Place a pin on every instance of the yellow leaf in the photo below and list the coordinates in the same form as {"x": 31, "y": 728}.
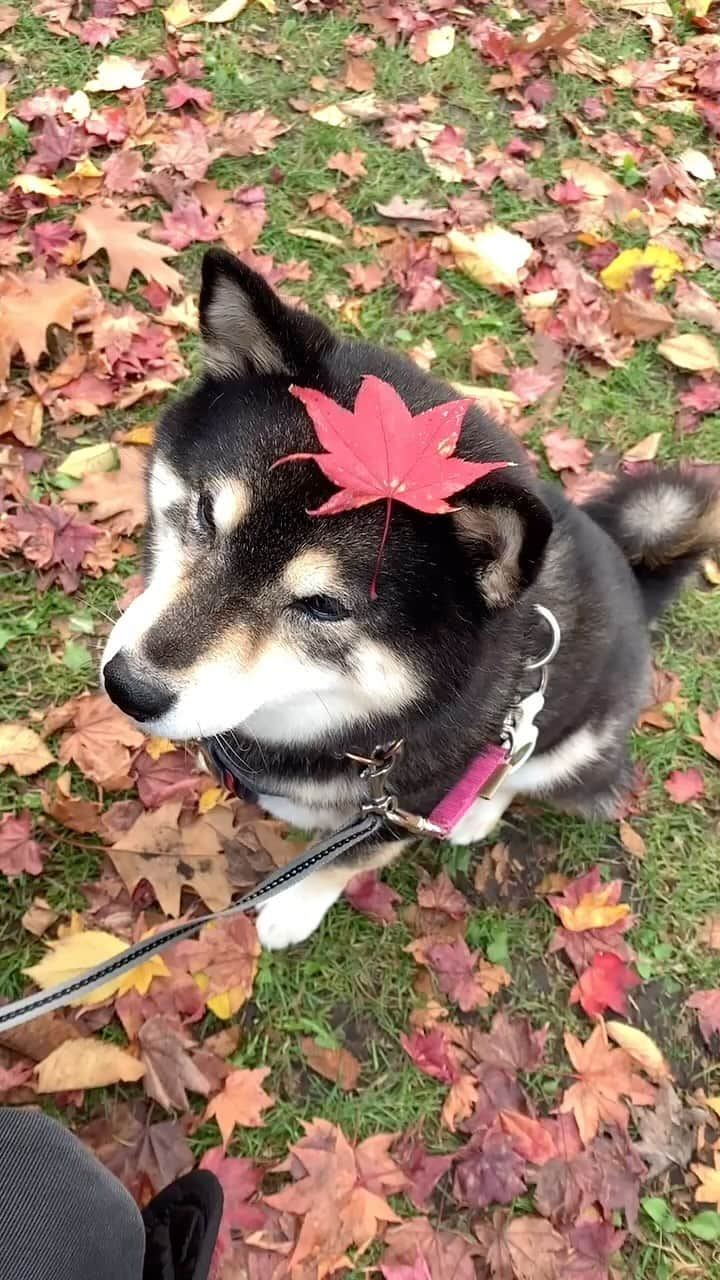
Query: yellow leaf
{"x": 714, "y": 1104}
{"x": 593, "y": 911}
{"x": 3, "y": 102}
{"x": 226, "y": 1003}
{"x": 709, "y": 1190}
{"x": 157, "y": 747}
{"x": 697, "y": 8}
{"x": 86, "y": 169}
{"x": 31, "y": 184}
{"x": 70, "y": 956}
{"x": 226, "y": 12}
{"x": 317, "y": 237}
{"x": 645, "y": 450}
{"x": 180, "y": 14}
{"x": 23, "y": 749}
{"x": 86, "y": 1064}
{"x": 663, "y": 263}
{"x": 492, "y": 257}
{"x": 711, "y": 570}
{"x": 440, "y": 42}
{"x": 143, "y": 433}
{"x": 331, "y": 115}
{"x": 210, "y": 799}
{"x": 641, "y": 1049}
{"x": 690, "y": 351}
{"x": 93, "y": 458}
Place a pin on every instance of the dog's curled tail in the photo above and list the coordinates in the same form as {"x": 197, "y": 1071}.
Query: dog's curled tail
{"x": 663, "y": 519}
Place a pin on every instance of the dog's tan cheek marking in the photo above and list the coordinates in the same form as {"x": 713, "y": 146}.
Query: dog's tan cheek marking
{"x": 231, "y": 505}
{"x": 312, "y": 573}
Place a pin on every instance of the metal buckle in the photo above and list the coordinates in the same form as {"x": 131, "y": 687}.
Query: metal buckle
{"x": 380, "y": 801}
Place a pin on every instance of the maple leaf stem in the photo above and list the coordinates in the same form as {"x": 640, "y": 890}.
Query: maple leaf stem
{"x": 381, "y": 549}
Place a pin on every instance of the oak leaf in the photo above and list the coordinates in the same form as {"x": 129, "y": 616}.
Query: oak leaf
{"x": 106, "y": 227}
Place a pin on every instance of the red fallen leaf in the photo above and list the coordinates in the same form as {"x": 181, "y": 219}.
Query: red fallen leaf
{"x": 441, "y": 895}
{"x": 370, "y": 895}
{"x": 603, "y": 985}
{"x": 418, "y": 1270}
{"x": 512, "y": 1045}
{"x": 530, "y": 1139}
{"x": 99, "y": 31}
{"x": 19, "y": 853}
{"x": 531, "y": 384}
{"x": 51, "y": 538}
{"x": 568, "y": 193}
{"x": 56, "y": 145}
{"x": 422, "y": 1170}
{"x": 349, "y": 163}
{"x": 187, "y": 224}
{"x": 580, "y": 947}
{"x": 49, "y": 239}
{"x": 448, "y": 1256}
{"x": 239, "y": 1179}
{"x": 379, "y": 451}
{"x": 709, "y": 738}
{"x": 703, "y": 397}
{"x": 683, "y": 785}
{"x": 338, "y": 1065}
{"x": 707, "y": 1006}
{"x": 489, "y": 1171}
{"x": 171, "y": 775}
{"x": 179, "y": 94}
{"x": 432, "y": 1054}
{"x": 564, "y": 451}
{"x": 145, "y": 1157}
{"x": 593, "y": 1244}
{"x": 454, "y": 965}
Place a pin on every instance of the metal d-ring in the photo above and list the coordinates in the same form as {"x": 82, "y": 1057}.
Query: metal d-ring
{"x": 554, "y": 626}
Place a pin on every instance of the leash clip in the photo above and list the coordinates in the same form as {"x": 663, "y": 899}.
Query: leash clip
{"x": 380, "y": 801}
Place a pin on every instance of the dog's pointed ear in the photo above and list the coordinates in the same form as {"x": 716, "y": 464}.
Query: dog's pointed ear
{"x": 247, "y": 328}
{"x": 504, "y": 529}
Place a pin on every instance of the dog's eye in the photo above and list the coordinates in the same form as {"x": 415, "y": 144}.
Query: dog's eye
{"x": 205, "y": 513}
{"x": 322, "y": 608}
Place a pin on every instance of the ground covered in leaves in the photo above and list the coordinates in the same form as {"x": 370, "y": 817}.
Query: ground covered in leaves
{"x": 505, "y": 1060}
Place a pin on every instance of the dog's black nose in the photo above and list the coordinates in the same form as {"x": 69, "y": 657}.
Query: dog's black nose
{"x": 135, "y": 693}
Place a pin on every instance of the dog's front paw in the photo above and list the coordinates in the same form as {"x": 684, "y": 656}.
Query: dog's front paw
{"x": 294, "y": 914}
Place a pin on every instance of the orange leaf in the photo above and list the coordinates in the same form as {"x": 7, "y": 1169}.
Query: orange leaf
{"x": 106, "y": 227}
{"x": 241, "y": 1102}
{"x": 593, "y": 911}
{"x": 338, "y": 1065}
{"x": 709, "y": 1190}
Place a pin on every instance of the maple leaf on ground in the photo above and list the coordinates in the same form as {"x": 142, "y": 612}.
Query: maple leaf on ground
{"x": 170, "y": 1068}
{"x": 530, "y": 1138}
{"x": 583, "y": 900}
{"x": 23, "y": 749}
{"x": 668, "y": 1132}
{"x": 604, "y": 1075}
{"x": 117, "y": 497}
{"x": 489, "y": 1171}
{"x": 432, "y": 1054}
{"x": 71, "y": 955}
{"x": 524, "y": 1247}
{"x": 145, "y": 1157}
{"x": 349, "y": 163}
{"x": 379, "y": 451}
{"x": 172, "y": 775}
{"x": 447, "y": 1255}
{"x": 370, "y": 895}
{"x": 30, "y": 306}
{"x": 223, "y": 960}
{"x": 707, "y": 1006}
{"x": 593, "y": 1244}
{"x": 171, "y": 855}
{"x": 422, "y": 1170}
{"x": 604, "y": 985}
{"x": 709, "y": 738}
{"x": 683, "y": 785}
{"x": 709, "y": 1190}
{"x": 106, "y": 227}
{"x": 240, "y": 1179}
{"x": 455, "y": 967}
{"x": 441, "y": 895}
{"x": 51, "y": 538}
{"x": 565, "y": 452}
{"x": 418, "y": 1271}
{"x": 19, "y": 853}
{"x": 511, "y": 1045}
{"x": 338, "y": 1065}
{"x": 101, "y": 740}
{"x": 241, "y": 1101}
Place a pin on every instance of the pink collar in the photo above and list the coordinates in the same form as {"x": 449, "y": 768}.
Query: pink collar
{"x": 482, "y": 776}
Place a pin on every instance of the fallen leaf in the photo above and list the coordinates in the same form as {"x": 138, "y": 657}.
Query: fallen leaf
{"x": 86, "y": 1064}
{"x": 565, "y": 452}
{"x": 604, "y": 1075}
{"x": 117, "y": 72}
{"x": 645, "y": 450}
{"x": 668, "y": 1132}
{"x": 106, "y": 227}
{"x": 690, "y": 351}
{"x": 223, "y": 962}
{"x": 31, "y": 308}
{"x": 595, "y": 910}
{"x": 489, "y": 1171}
{"x": 170, "y": 1069}
{"x": 523, "y": 1247}
{"x": 432, "y": 1054}
{"x": 633, "y": 313}
{"x": 338, "y": 1065}
{"x": 19, "y": 853}
{"x": 116, "y": 496}
{"x": 367, "y": 893}
{"x": 88, "y": 460}
{"x": 226, "y": 12}
{"x": 23, "y": 749}
{"x": 241, "y": 1101}
{"x": 707, "y": 1006}
{"x": 709, "y": 738}
{"x": 492, "y": 257}
{"x": 662, "y": 264}
{"x": 631, "y": 840}
{"x": 683, "y": 785}
{"x": 240, "y": 1179}
{"x": 39, "y": 917}
{"x": 455, "y": 967}
{"x": 709, "y": 932}
{"x": 603, "y": 986}
{"x": 638, "y": 1045}
{"x": 70, "y": 956}
{"x": 169, "y": 856}
{"x": 101, "y": 740}
{"x": 709, "y": 1190}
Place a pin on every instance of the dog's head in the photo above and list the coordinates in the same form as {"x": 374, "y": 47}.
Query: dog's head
{"x": 257, "y": 615}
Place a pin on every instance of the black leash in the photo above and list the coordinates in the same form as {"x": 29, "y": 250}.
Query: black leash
{"x": 363, "y": 827}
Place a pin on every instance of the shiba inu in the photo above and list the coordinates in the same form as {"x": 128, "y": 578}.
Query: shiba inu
{"x": 257, "y": 630}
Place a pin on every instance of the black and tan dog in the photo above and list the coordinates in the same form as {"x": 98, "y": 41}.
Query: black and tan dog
{"x": 257, "y": 627}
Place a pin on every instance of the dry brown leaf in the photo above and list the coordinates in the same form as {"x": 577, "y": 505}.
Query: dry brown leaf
{"x": 117, "y": 496}
{"x": 101, "y": 741}
{"x": 170, "y": 857}
{"x": 23, "y": 749}
{"x": 86, "y": 1064}
{"x": 28, "y": 310}
{"x": 709, "y": 932}
{"x": 39, "y": 917}
{"x": 338, "y": 1065}
{"x": 106, "y": 227}
{"x": 631, "y": 840}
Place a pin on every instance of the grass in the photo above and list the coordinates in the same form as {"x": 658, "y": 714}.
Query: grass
{"x": 352, "y": 983}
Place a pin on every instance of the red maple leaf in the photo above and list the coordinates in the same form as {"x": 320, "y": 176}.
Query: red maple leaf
{"x": 379, "y": 451}
{"x": 603, "y": 985}
{"x": 373, "y": 897}
{"x": 683, "y": 785}
{"x": 432, "y": 1054}
{"x": 18, "y": 851}
{"x": 239, "y": 1179}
